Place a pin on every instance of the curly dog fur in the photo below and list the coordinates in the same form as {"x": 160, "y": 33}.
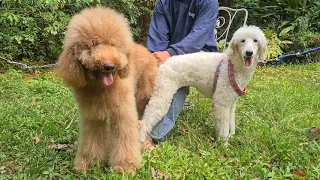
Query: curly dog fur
{"x": 112, "y": 79}
{"x": 247, "y": 45}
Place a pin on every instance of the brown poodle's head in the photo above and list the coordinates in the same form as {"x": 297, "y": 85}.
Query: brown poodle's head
{"x": 96, "y": 48}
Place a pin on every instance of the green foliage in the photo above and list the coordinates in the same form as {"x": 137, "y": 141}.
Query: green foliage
{"x": 270, "y": 140}
{"x": 295, "y": 15}
{"x": 292, "y": 20}
{"x": 34, "y": 29}
{"x": 275, "y": 45}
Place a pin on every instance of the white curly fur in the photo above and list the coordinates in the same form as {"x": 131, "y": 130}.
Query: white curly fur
{"x": 197, "y": 70}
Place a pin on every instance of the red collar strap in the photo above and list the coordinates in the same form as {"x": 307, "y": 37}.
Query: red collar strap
{"x": 216, "y": 75}
{"x": 232, "y": 79}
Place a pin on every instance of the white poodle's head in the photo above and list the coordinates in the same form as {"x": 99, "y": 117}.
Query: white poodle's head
{"x": 249, "y": 44}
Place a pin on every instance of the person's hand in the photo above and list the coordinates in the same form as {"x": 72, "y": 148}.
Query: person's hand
{"x": 161, "y": 56}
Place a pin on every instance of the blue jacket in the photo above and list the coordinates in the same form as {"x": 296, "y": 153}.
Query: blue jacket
{"x": 183, "y": 26}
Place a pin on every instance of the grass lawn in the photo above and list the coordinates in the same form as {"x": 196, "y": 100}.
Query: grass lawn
{"x": 270, "y": 140}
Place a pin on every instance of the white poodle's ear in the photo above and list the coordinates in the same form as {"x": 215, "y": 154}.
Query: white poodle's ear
{"x": 231, "y": 47}
{"x": 263, "y": 49}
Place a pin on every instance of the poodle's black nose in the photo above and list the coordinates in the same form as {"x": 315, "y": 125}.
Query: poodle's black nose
{"x": 249, "y": 53}
{"x": 109, "y": 67}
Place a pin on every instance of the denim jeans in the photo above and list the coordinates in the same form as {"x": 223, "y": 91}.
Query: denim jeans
{"x": 160, "y": 131}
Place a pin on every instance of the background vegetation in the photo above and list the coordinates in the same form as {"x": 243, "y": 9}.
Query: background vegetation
{"x": 33, "y": 30}
{"x": 39, "y": 123}
{"x": 38, "y": 113}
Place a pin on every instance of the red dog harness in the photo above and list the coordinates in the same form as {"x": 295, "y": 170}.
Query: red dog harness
{"x": 232, "y": 78}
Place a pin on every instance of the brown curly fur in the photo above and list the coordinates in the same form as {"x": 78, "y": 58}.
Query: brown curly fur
{"x": 96, "y": 37}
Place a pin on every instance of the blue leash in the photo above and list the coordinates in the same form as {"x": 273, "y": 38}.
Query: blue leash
{"x": 282, "y": 57}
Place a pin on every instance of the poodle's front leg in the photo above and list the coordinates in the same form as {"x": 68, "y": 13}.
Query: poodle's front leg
{"x": 92, "y": 143}
{"x": 232, "y": 119}
{"x": 221, "y": 115}
{"x": 124, "y": 146}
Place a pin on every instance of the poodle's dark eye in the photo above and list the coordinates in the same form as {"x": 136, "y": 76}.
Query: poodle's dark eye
{"x": 255, "y": 40}
{"x": 243, "y": 41}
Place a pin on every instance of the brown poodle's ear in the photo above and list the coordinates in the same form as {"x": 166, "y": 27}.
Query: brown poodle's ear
{"x": 70, "y": 69}
{"x": 124, "y": 72}
{"x": 263, "y": 49}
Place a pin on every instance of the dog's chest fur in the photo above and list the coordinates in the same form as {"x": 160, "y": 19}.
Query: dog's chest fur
{"x": 99, "y": 101}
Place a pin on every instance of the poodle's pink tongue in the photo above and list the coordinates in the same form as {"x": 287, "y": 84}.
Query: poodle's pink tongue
{"x": 248, "y": 61}
{"x": 107, "y": 79}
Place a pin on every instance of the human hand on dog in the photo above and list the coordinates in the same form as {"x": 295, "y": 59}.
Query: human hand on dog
{"x": 161, "y": 56}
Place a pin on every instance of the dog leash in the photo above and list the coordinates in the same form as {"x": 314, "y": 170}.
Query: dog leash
{"x": 280, "y": 58}
{"x": 232, "y": 78}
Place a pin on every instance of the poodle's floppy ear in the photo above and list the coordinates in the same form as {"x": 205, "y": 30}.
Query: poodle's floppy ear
{"x": 231, "y": 47}
{"x": 70, "y": 69}
{"x": 124, "y": 71}
{"x": 263, "y": 49}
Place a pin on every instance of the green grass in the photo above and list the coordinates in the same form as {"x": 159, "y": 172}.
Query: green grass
{"x": 270, "y": 140}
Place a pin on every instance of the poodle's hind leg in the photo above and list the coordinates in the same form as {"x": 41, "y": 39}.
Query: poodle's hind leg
{"x": 157, "y": 107}
{"x": 222, "y": 117}
{"x": 92, "y": 143}
{"x": 232, "y": 122}
{"x": 124, "y": 143}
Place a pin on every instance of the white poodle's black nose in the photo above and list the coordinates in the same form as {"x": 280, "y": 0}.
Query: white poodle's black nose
{"x": 249, "y": 53}
{"x": 109, "y": 67}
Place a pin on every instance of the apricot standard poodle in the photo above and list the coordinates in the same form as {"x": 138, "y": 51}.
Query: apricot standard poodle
{"x": 112, "y": 79}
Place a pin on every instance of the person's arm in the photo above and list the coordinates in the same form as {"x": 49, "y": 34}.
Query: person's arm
{"x": 158, "y": 36}
{"x": 203, "y": 26}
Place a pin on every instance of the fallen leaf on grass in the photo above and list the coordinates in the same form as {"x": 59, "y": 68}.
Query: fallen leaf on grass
{"x": 59, "y": 122}
{"x": 203, "y": 152}
{"x": 2, "y": 169}
{"x": 315, "y": 132}
{"x": 58, "y": 146}
{"x": 36, "y": 139}
{"x": 256, "y": 179}
{"x": 266, "y": 165}
{"x": 5, "y": 170}
{"x": 299, "y": 173}
{"x": 157, "y": 174}
{"x": 67, "y": 171}
{"x": 223, "y": 156}
{"x": 29, "y": 77}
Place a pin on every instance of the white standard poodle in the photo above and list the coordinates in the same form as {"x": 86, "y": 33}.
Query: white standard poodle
{"x": 220, "y": 76}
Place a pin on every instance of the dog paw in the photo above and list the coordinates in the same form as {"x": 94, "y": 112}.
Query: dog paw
{"x": 128, "y": 168}
{"x": 148, "y": 144}
{"x": 81, "y": 164}
{"x": 142, "y": 132}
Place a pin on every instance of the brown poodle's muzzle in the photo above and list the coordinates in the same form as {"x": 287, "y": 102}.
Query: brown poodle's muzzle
{"x": 109, "y": 67}
{"x": 106, "y": 74}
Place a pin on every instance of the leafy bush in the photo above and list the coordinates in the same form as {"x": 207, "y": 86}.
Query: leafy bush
{"x": 34, "y": 29}
{"x": 283, "y": 15}
{"x": 293, "y": 20}
{"x": 275, "y": 45}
